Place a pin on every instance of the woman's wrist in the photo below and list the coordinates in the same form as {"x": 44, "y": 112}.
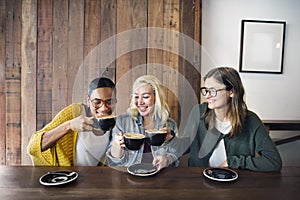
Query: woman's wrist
{"x": 116, "y": 151}
{"x": 69, "y": 125}
{"x": 169, "y": 160}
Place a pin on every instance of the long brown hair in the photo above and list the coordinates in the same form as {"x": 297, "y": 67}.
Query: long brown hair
{"x": 237, "y": 107}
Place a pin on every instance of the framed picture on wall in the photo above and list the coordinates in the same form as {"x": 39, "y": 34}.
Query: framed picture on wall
{"x": 262, "y": 46}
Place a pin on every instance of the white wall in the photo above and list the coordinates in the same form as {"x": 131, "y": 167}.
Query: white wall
{"x": 271, "y": 96}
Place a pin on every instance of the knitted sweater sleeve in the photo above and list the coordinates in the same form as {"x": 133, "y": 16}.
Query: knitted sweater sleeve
{"x": 50, "y": 156}
{"x": 263, "y": 155}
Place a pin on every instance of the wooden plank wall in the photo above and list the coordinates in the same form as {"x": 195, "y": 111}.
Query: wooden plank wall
{"x": 2, "y": 84}
{"x": 51, "y": 48}
{"x": 28, "y": 78}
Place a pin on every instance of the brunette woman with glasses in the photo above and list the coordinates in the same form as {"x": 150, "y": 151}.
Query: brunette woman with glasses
{"x": 223, "y": 132}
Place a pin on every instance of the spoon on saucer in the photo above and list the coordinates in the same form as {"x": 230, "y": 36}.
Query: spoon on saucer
{"x": 62, "y": 173}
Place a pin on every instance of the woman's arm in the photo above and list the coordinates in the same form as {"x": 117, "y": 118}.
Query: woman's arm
{"x": 79, "y": 123}
{"x": 118, "y": 145}
{"x": 265, "y": 156}
{"x": 34, "y": 147}
{"x": 116, "y": 154}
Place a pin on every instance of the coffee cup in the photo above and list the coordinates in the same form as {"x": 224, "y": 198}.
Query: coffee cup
{"x": 133, "y": 141}
{"x": 107, "y": 122}
{"x": 155, "y": 137}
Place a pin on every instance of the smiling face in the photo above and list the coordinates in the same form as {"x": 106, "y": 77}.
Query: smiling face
{"x": 221, "y": 100}
{"x": 103, "y": 102}
{"x": 144, "y": 99}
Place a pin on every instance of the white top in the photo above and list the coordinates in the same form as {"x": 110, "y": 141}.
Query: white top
{"x": 219, "y": 154}
{"x": 90, "y": 148}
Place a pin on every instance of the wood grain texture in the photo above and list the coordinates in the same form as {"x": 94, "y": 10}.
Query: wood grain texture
{"x": 75, "y": 48}
{"x": 169, "y": 183}
{"x": 52, "y": 49}
{"x": 28, "y": 77}
{"x": 44, "y": 62}
{"x": 2, "y": 84}
{"x": 91, "y": 41}
{"x": 108, "y": 32}
{"x": 155, "y": 38}
{"x": 60, "y": 56}
{"x": 170, "y": 55}
{"x": 131, "y": 61}
{"x": 189, "y": 65}
{"x": 13, "y": 82}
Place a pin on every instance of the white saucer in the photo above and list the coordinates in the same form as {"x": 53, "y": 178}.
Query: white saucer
{"x": 142, "y": 169}
{"x": 220, "y": 174}
{"x": 58, "y": 178}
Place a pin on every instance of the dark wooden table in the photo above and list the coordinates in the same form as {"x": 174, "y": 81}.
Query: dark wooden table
{"x": 22, "y": 182}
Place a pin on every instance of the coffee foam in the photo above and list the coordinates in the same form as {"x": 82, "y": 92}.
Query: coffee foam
{"x": 156, "y": 131}
{"x": 134, "y": 135}
{"x": 107, "y": 117}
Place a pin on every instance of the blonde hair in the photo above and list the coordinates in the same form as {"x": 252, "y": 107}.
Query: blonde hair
{"x": 161, "y": 108}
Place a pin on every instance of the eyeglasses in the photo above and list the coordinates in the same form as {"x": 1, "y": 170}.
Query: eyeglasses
{"x": 98, "y": 103}
{"x": 212, "y": 91}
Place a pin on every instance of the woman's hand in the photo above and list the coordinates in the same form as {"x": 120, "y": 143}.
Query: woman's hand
{"x": 161, "y": 162}
{"x": 224, "y": 164}
{"x": 117, "y": 149}
{"x": 169, "y": 134}
{"x": 119, "y": 140}
{"x": 82, "y": 123}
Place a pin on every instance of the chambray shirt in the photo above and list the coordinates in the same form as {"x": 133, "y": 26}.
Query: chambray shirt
{"x": 125, "y": 123}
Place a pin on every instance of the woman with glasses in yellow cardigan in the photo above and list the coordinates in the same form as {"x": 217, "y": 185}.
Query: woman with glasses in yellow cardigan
{"x": 73, "y": 138}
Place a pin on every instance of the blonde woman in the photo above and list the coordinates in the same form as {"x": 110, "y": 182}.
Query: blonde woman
{"x": 148, "y": 110}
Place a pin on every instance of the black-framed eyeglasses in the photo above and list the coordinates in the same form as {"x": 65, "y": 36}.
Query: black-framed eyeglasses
{"x": 212, "y": 91}
{"x": 98, "y": 103}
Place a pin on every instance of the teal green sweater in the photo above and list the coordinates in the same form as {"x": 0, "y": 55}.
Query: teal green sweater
{"x": 251, "y": 149}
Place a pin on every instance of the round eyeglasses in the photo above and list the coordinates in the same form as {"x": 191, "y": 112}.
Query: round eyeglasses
{"x": 98, "y": 103}
{"x": 212, "y": 91}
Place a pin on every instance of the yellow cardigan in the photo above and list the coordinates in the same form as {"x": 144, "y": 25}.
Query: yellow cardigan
{"x": 63, "y": 152}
